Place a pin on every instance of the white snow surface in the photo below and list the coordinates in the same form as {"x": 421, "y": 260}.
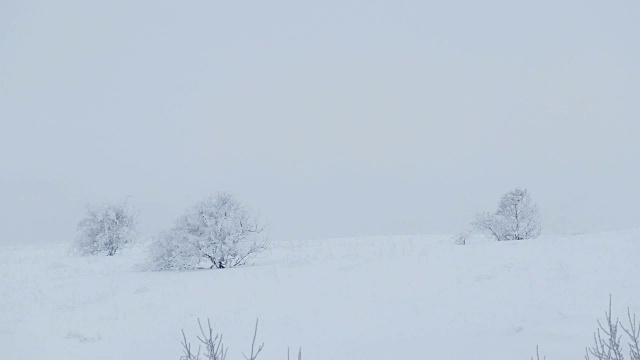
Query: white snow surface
{"x": 402, "y": 297}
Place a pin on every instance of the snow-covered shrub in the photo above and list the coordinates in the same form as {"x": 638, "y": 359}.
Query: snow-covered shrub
{"x": 219, "y": 230}
{"x": 105, "y": 229}
{"x": 517, "y": 218}
{"x": 171, "y": 251}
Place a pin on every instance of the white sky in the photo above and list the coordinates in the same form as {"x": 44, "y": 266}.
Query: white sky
{"x": 332, "y": 118}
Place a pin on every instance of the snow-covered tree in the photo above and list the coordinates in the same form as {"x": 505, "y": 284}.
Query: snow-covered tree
{"x": 218, "y": 229}
{"x": 517, "y": 218}
{"x": 105, "y": 229}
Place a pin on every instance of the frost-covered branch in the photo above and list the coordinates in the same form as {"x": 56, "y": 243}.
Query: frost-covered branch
{"x": 633, "y": 332}
{"x": 253, "y": 343}
{"x": 609, "y": 347}
{"x": 215, "y": 349}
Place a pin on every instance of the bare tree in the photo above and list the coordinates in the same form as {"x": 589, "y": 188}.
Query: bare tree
{"x": 516, "y": 218}
{"x": 105, "y": 229}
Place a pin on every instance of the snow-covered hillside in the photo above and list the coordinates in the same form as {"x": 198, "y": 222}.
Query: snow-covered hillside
{"x": 357, "y": 298}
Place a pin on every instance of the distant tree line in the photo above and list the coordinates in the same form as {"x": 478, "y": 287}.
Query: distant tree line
{"x": 222, "y": 232}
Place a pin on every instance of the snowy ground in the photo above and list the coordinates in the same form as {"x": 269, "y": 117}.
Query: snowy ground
{"x": 414, "y": 297}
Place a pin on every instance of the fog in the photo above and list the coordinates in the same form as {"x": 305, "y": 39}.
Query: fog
{"x": 333, "y": 118}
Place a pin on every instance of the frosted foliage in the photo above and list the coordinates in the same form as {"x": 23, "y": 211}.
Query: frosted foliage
{"x": 105, "y": 229}
{"x": 171, "y": 251}
{"x": 517, "y": 218}
{"x": 219, "y": 230}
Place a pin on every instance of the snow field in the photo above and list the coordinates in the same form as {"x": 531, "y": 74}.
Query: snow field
{"x": 353, "y": 298}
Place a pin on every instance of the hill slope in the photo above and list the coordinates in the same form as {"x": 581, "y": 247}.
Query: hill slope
{"x": 357, "y": 298}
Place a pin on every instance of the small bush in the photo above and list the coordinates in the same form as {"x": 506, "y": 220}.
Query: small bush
{"x": 105, "y": 229}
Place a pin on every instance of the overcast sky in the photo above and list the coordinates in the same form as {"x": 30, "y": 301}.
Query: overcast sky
{"x": 332, "y": 118}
